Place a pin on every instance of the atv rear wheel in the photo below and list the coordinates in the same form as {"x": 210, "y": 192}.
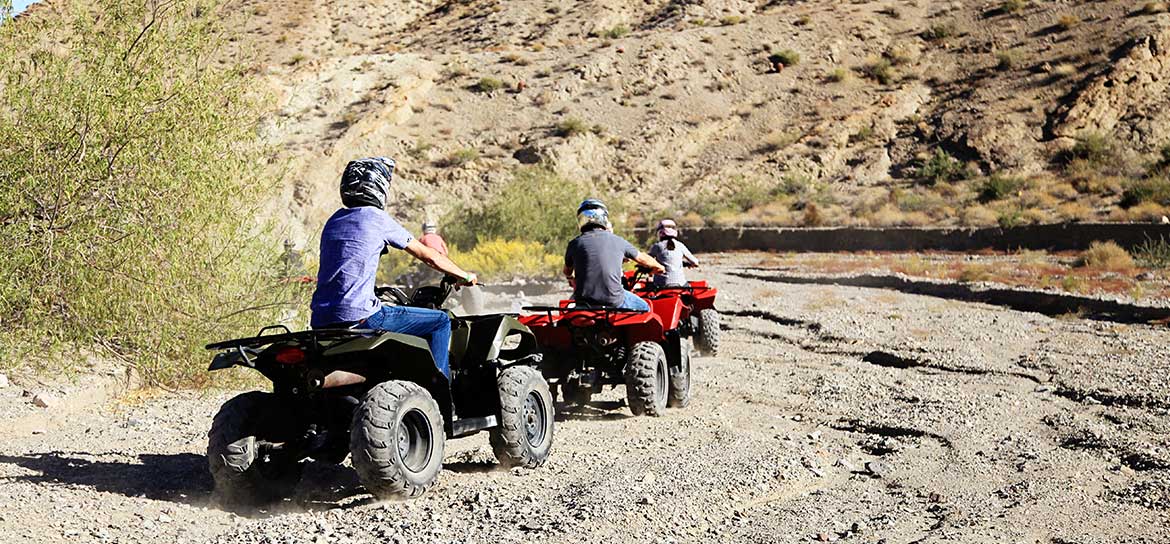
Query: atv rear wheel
{"x": 647, "y": 377}
{"x": 243, "y": 474}
{"x": 707, "y": 340}
{"x": 396, "y": 440}
{"x": 525, "y": 434}
{"x": 680, "y": 378}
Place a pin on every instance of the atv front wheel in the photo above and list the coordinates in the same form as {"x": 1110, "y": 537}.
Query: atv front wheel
{"x": 707, "y": 340}
{"x": 680, "y": 378}
{"x": 396, "y": 440}
{"x": 647, "y": 379}
{"x": 525, "y": 434}
{"x": 243, "y": 474}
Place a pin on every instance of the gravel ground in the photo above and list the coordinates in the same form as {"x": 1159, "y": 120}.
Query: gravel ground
{"x": 833, "y": 414}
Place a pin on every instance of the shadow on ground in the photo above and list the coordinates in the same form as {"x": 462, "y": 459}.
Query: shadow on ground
{"x": 179, "y": 477}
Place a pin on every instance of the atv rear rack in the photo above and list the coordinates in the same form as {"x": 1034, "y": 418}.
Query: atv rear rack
{"x": 561, "y": 309}
{"x": 312, "y": 335}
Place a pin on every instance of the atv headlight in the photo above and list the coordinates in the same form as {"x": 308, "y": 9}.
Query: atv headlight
{"x": 512, "y": 341}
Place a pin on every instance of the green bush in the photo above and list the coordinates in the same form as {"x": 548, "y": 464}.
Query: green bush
{"x": 879, "y": 70}
{"x": 536, "y": 205}
{"x": 939, "y": 32}
{"x": 570, "y": 127}
{"x": 130, "y": 187}
{"x": 1146, "y": 190}
{"x": 1153, "y": 253}
{"x": 615, "y": 32}
{"x": 487, "y": 85}
{"x": 999, "y": 186}
{"x": 459, "y": 158}
{"x": 784, "y": 57}
{"x": 942, "y": 168}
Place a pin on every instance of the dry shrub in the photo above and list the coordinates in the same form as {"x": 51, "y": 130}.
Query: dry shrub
{"x": 1106, "y": 256}
{"x": 1074, "y": 211}
{"x": 1068, "y": 22}
{"x": 974, "y": 273}
{"x": 1146, "y": 211}
{"x": 1063, "y": 191}
{"x": 979, "y": 216}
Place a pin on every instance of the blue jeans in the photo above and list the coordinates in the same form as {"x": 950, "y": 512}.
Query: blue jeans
{"x": 433, "y": 325}
{"x": 634, "y": 302}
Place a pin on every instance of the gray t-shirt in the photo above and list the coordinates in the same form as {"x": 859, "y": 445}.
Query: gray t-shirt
{"x": 596, "y": 259}
{"x": 672, "y": 261}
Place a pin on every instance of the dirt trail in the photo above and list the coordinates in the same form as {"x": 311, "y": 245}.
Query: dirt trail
{"x": 834, "y": 413}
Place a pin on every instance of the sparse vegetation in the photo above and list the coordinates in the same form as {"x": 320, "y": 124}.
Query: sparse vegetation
{"x": 1153, "y": 253}
{"x": 999, "y": 186}
{"x": 1007, "y": 59}
{"x": 1013, "y": 6}
{"x": 837, "y": 75}
{"x": 460, "y": 157}
{"x": 879, "y": 70}
{"x": 1068, "y": 22}
{"x": 570, "y": 127}
{"x": 1141, "y": 191}
{"x": 731, "y": 20}
{"x": 939, "y": 32}
{"x": 941, "y": 167}
{"x": 777, "y": 140}
{"x": 488, "y": 85}
{"x": 615, "y": 32}
{"x": 784, "y": 57}
{"x": 1106, "y": 256}
{"x": 1154, "y": 8}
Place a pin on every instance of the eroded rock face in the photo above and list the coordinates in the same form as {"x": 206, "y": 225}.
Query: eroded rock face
{"x": 1130, "y": 100}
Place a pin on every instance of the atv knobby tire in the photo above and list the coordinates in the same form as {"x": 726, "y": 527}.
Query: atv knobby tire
{"x": 396, "y": 440}
{"x": 647, "y": 379}
{"x": 680, "y": 378}
{"x": 525, "y": 434}
{"x": 707, "y": 340}
{"x": 242, "y": 476}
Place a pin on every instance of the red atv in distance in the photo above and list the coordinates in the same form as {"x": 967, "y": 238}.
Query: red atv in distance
{"x": 699, "y": 320}
{"x": 586, "y": 348}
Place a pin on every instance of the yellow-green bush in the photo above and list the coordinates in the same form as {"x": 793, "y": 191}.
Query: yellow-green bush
{"x": 500, "y": 259}
{"x": 130, "y": 183}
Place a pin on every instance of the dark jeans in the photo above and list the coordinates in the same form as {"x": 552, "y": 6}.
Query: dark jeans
{"x": 432, "y": 325}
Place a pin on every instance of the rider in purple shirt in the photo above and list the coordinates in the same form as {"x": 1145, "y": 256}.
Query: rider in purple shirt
{"x": 351, "y": 243}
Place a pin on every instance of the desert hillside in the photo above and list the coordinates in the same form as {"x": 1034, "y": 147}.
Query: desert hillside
{"x": 816, "y": 112}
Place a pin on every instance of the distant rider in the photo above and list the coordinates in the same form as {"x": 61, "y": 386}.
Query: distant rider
{"x": 431, "y": 238}
{"x": 593, "y": 261}
{"x": 351, "y": 243}
{"x": 673, "y": 255}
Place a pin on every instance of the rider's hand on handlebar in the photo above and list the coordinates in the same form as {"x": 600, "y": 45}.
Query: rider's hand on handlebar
{"x": 469, "y": 280}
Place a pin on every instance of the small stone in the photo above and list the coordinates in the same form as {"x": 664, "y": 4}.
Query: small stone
{"x": 814, "y": 436}
{"x": 797, "y": 417}
{"x": 648, "y": 478}
{"x": 878, "y": 469}
{"x": 1042, "y": 389}
{"x": 845, "y": 464}
{"x": 3, "y": 380}
{"x": 817, "y": 472}
{"x": 857, "y": 527}
{"x": 647, "y": 500}
{"x": 163, "y": 518}
{"x": 823, "y": 537}
{"x": 44, "y": 400}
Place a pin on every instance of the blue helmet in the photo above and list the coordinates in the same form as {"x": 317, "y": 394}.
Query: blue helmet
{"x": 366, "y": 182}
{"x": 592, "y": 212}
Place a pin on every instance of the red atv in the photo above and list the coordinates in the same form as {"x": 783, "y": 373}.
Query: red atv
{"x": 588, "y": 348}
{"x": 699, "y": 320}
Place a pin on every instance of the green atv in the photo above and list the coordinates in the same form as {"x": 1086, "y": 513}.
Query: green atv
{"x": 378, "y": 397}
